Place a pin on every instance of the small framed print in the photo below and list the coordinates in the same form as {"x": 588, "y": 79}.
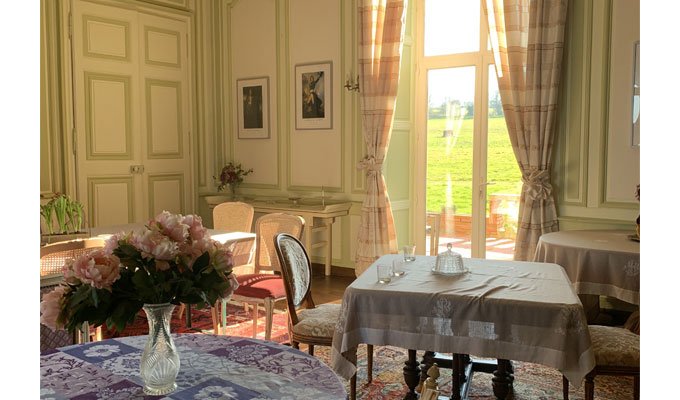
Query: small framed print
{"x": 313, "y": 96}
{"x": 253, "y": 108}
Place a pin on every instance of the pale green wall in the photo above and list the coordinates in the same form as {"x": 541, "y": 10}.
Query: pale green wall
{"x": 584, "y": 185}
{"x": 596, "y": 170}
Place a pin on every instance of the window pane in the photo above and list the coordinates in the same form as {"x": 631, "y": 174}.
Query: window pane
{"x": 451, "y": 26}
{"x": 506, "y": 181}
{"x": 451, "y": 93}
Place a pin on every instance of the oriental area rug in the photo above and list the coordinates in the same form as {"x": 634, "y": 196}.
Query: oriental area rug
{"x": 532, "y": 381}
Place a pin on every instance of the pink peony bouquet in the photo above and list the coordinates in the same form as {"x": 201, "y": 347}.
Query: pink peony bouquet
{"x": 171, "y": 260}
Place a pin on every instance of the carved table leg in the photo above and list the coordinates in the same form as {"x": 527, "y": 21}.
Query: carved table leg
{"x": 502, "y": 379}
{"x": 457, "y": 376}
{"x": 411, "y": 376}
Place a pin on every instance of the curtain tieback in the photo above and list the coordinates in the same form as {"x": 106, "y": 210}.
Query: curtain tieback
{"x": 371, "y": 166}
{"x": 537, "y": 184}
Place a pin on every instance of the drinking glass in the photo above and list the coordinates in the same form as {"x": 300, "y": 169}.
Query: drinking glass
{"x": 409, "y": 253}
{"x": 398, "y": 267}
{"x": 384, "y": 273}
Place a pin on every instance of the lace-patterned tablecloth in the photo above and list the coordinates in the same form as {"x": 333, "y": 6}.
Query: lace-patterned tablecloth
{"x": 501, "y": 309}
{"x": 223, "y": 367}
{"x": 598, "y": 262}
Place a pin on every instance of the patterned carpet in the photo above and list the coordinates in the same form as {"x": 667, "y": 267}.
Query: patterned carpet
{"x": 532, "y": 381}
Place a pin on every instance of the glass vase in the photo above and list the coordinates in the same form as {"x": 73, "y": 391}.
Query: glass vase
{"x": 233, "y": 188}
{"x": 160, "y": 361}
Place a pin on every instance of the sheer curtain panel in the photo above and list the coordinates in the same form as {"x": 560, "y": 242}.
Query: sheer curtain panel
{"x": 527, "y": 38}
{"x": 381, "y": 24}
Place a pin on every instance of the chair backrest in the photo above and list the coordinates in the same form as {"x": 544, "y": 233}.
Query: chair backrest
{"x": 297, "y": 273}
{"x": 233, "y": 216}
{"x": 52, "y": 256}
{"x": 268, "y": 226}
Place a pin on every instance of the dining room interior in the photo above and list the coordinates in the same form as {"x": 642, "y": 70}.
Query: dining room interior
{"x": 508, "y": 136}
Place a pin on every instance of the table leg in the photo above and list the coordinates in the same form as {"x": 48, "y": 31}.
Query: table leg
{"x": 502, "y": 379}
{"x": 425, "y": 364}
{"x": 411, "y": 375}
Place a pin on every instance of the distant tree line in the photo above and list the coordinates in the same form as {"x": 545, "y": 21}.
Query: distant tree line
{"x": 454, "y": 109}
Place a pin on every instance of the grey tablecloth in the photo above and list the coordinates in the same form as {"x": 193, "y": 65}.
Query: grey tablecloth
{"x": 598, "y": 262}
{"x": 502, "y": 309}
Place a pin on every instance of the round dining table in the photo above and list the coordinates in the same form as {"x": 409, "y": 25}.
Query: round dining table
{"x": 211, "y": 367}
{"x": 598, "y": 263}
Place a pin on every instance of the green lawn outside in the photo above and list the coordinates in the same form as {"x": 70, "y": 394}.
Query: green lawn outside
{"x": 450, "y": 158}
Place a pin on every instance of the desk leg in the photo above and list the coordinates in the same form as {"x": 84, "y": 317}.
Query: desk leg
{"x": 502, "y": 379}
{"x": 309, "y": 224}
{"x": 329, "y": 245}
{"x": 411, "y": 375}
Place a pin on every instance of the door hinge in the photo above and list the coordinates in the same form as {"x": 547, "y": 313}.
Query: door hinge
{"x": 70, "y": 25}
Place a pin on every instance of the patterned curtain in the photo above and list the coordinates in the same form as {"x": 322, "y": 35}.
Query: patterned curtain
{"x": 381, "y": 23}
{"x": 527, "y": 37}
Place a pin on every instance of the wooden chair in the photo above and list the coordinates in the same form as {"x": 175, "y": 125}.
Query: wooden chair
{"x": 236, "y": 216}
{"x": 308, "y": 323}
{"x": 432, "y": 228}
{"x": 617, "y": 352}
{"x": 52, "y": 258}
{"x": 265, "y": 286}
{"x": 231, "y": 216}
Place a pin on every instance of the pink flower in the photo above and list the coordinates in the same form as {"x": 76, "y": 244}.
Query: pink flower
{"x": 196, "y": 229}
{"x": 50, "y": 306}
{"x": 172, "y": 226}
{"x": 221, "y": 258}
{"x": 97, "y": 269}
{"x": 112, "y": 242}
{"x": 67, "y": 270}
{"x": 153, "y": 244}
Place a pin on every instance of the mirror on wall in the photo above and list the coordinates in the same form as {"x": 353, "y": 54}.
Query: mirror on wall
{"x": 636, "y": 95}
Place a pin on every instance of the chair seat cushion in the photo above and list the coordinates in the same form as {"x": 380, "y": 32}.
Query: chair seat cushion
{"x": 318, "y": 322}
{"x": 260, "y": 286}
{"x": 615, "y": 346}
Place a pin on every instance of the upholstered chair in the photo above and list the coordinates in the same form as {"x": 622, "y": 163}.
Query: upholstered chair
{"x": 617, "y": 352}
{"x": 308, "y": 323}
{"x": 265, "y": 286}
{"x": 52, "y": 258}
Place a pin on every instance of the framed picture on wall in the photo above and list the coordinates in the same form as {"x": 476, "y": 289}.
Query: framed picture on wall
{"x": 313, "y": 96}
{"x": 253, "y": 108}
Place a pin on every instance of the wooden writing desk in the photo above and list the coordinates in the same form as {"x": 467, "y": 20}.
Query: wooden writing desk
{"x": 318, "y": 218}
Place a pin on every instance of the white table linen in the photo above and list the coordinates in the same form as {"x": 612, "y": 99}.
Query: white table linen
{"x": 502, "y": 309}
{"x": 598, "y": 262}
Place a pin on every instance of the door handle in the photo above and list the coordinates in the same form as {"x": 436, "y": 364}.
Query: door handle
{"x": 136, "y": 169}
{"x": 481, "y": 187}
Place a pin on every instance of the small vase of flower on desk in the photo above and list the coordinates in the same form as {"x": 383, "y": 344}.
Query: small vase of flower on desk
{"x": 231, "y": 176}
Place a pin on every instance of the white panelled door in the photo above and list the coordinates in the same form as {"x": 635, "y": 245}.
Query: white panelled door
{"x": 132, "y": 113}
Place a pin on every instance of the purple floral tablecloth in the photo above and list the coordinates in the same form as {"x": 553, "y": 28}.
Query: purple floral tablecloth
{"x": 212, "y": 367}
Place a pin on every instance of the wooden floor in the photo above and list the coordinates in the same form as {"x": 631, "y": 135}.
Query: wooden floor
{"x": 329, "y": 289}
